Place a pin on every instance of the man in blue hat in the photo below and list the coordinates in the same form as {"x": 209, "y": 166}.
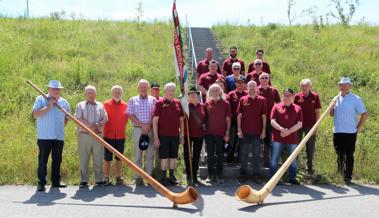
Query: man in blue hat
{"x": 50, "y": 133}
{"x": 345, "y": 111}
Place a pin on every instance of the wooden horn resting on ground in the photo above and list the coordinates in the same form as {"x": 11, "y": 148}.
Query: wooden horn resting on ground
{"x": 249, "y": 195}
{"x": 188, "y": 196}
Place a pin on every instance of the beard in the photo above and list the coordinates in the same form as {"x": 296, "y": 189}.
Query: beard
{"x": 233, "y": 55}
{"x": 117, "y": 99}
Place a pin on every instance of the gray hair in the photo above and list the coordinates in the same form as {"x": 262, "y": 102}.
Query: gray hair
{"x": 89, "y": 87}
{"x": 143, "y": 81}
{"x": 116, "y": 87}
{"x": 251, "y": 82}
{"x": 218, "y": 87}
{"x": 258, "y": 60}
{"x": 264, "y": 74}
{"x": 236, "y": 64}
{"x": 306, "y": 81}
{"x": 169, "y": 85}
{"x": 209, "y": 49}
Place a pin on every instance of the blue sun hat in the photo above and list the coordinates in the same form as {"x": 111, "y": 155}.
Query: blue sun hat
{"x": 55, "y": 84}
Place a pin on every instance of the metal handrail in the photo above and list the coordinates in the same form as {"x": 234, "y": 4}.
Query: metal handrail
{"x": 193, "y": 55}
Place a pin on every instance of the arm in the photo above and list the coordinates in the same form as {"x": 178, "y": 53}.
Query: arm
{"x": 264, "y": 123}
{"x": 317, "y": 114}
{"x": 239, "y": 118}
{"x": 227, "y": 135}
{"x": 202, "y": 89}
{"x": 276, "y": 125}
{"x": 295, "y": 128}
{"x": 362, "y": 121}
{"x": 44, "y": 110}
{"x": 182, "y": 130}
{"x": 155, "y": 130}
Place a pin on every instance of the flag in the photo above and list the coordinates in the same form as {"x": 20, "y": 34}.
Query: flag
{"x": 181, "y": 69}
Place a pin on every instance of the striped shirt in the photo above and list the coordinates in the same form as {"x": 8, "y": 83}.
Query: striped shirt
{"x": 93, "y": 113}
{"x": 51, "y": 124}
{"x": 142, "y": 108}
{"x": 345, "y": 113}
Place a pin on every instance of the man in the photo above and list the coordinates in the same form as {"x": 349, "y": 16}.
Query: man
{"x": 203, "y": 65}
{"x": 49, "y": 139}
{"x": 346, "y": 109}
{"x": 231, "y": 79}
{"x": 227, "y": 65}
{"x": 92, "y": 114}
{"x": 251, "y": 121}
{"x": 265, "y": 66}
{"x": 114, "y": 132}
{"x": 309, "y": 102}
{"x": 234, "y": 98}
{"x": 286, "y": 120}
{"x": 272, "y": 96}
{"x": 140, "y": 111}
{"x": 254, "y": 75}
{"x": 209, "y": 78}
{"x": 168, "y": 124}
{"x": 217, "y": 131}
{"x": 196, "y": 129}
{"x": 155, "y": 90}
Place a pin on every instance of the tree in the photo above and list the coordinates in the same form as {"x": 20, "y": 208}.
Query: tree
{"x": 344, "y": 10}
{"x": 139, "y": 10}
{"x": 290, "y": 4}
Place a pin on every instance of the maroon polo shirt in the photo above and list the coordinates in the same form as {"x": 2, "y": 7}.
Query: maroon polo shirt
{"x": 203, "y": 67}
{"x": 195, "y": 125}
{"x": 286, "y": 117}
{"x": 207, "y": 80}
{"x": 255, "y": 77}
{"x": 234, "y": 98}
{"x": 169, "y": 113}
{"x": 227, "y": 66}
{"x": 272, "y": 96}
{"x": 309, "y": 104}
{"x": 252, "y": 111}
{"x": 216, "y": 117}
{"x": 265, "y": 67}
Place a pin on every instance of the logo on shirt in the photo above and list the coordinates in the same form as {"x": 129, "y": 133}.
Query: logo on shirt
{"x": 246, "y": 104}
{"x": 165, "y": 105}
{"x": 301, "y": 99}
{"x": 281, "y": 110}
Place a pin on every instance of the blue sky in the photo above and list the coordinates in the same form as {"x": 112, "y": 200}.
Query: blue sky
{"x": 199, "y": 12}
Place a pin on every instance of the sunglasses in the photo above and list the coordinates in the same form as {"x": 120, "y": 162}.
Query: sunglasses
{"x": 236, "y": 68}
{"x": 264, "y": 77}
{"x": 258, "y": 64}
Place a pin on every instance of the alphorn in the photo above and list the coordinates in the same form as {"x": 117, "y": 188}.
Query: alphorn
{"x": 247, "y": 194}
{"x": 186, "y": 197}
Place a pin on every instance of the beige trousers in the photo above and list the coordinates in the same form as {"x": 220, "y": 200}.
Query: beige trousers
{"x": 149, "y": 152}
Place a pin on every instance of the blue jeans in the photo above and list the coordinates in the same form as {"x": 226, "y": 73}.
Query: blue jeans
{"x": 277, "y": 148}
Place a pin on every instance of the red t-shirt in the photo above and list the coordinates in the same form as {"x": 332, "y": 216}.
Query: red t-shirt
{"x": 272, "y": 96}
{"x": 169, "y": 113}
{"x": 265, "y": 67}
{"x": 195, "y": 124}
{"x": 114, "y": 128}
{"x": 286, "y": 117}
{"x": 227, "y": 66}
{"x": 252, "y": 111}
{"x": 207, "y": 80}
{"x": 203, "y": 67}
{"x": 308, "y": 104}
{"x": 216, "y": 117}
{"x": 255, "y": 77}
{"x": 234, "y": 98}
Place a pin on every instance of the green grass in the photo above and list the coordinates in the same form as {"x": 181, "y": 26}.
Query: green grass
{"x": 323, "y": 54}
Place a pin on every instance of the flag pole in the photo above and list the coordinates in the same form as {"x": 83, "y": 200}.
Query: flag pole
{"x": 189, "y": 147}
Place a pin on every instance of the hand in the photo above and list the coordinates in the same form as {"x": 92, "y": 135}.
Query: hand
{"x": 284, "y": 132}
{"x": 240, "y": 134}
{"x": 52, "y": 102}
{"x": 182, "y": 140}
{"x": 263, "y": 134}
{"x": 145, "y": 128}
{"x": 359, "y": 128}
{"x": 226, "y": 137}
{"x": 156, "y": 142}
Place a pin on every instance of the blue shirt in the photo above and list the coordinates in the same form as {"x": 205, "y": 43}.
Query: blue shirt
{"x": 231, "y": 83}
{"x": 345, "y": 113}
{"x": 51, "y": 124}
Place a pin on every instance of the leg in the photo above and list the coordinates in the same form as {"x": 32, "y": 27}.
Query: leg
{"x": 256, "y": 144}
{"x": 310, "y": 148}
{"x": 56, "y": 155}
{"x": 220, "y": 155}
{"x": 293, "y": 166}
{"x": 150, "y": 154}
{"x": 339, "y": 148}
{"x": 137, "y": 152}
{"x": 108, "y": 156}
{"x": 350, "y": 148}
{"x": 98, "y": 156}
{"x": 197, "y": 146}
{"x": 233, "y": 141}
{"x": 276, "y": 154}
{"x": 267, "y": 145}
{"x": 244, "y": 151}
{"x": 186, "y": 153}
{"x": 210, "y": 154}
{"x": 84, "y": 156}
{"x": 44, "y": 147}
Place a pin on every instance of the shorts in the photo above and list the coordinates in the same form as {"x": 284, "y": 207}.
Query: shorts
{"x": 118, "y": 144}
{"x": 169, "y": 146}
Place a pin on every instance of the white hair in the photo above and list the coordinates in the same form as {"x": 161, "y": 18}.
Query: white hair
{"x": 89, "y": 87}
{"x": 306, "y": 81}
{"x": 236, "y": 64}
{"x": 218, "y": 87}
{"x": 141, "y": 81}
{"x": 169, "y": 85}
{"x": 116, "y": 87}
{"x": 264, "y": 74}
{"x": 251, "y": 82}
{"x": 209, "y": 49}
{"x": 258, "y": 60}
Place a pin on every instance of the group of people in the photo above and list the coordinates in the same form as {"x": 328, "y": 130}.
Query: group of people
{"x": 232, "y": 112}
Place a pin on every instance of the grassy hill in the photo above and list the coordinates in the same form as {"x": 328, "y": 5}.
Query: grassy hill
{"x": 104, "y": 53}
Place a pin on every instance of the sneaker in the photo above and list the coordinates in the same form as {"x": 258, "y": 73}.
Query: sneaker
{"x": 41, "y": 187}
{"x": 163, "y": 181}
{"x": 138, "y": 182}
{"x": 101, "y": 183}
{"x": 348, "y": 181}
{"x": 107, "y": 182}
{"x": 83, "y": 185}
{"x": 59, "y": 185}
{"x": 119, "y": 180}
{"x": 208, "y": 179}
{"x": 294, "y": 182}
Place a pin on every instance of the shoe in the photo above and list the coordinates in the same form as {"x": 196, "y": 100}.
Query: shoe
{"x": 348, "y": 181}
{"x": 195, "y": 180}
{"x": 107, "y": 182}
{"x": 59, "y": 185}
{"x": 220, "y": 180}
{"x": 280, "y": 182}
{"x": 83, "y": 185}
{"x": 101, "y": 183}
{"x": 163, "y": 181}
{"x": 138, "y": 182}
{"x": 173, "y": 181}
{"x": 119, "y": 180}
{"x": 242, "y": 179}
{"x": 310, "y": 172}
{"x": 41, "y": 187}
{"x": 208, "y": 179}
{"x": 257, "y": 179}
{"x": 294, "y": 182}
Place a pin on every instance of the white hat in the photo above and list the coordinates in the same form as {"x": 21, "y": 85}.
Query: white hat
{"x": 345, "y": 80}
{"x": 55, "y": 84}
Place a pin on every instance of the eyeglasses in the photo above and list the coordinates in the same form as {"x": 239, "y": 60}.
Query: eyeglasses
{"x": 258, "y": 64}
{"x": 236, "y": 68}
{"x": 264, "y": 77}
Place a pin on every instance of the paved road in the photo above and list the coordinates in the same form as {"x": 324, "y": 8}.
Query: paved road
{"x": 217, "y": 201}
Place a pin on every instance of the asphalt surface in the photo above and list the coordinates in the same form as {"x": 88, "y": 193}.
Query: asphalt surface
{"x": 215, "y": 201}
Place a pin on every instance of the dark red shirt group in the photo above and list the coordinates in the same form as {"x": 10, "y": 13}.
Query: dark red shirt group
{"x": 203, "y": 67}
{"x": 169, "y": 113}
{"x": 265, "y": 67}
{"x": 216, "y": 112}
{"x": 309, "y": 104}
{"x": 252, "y": 111}
{"x": 227, "y": 66}
{"x": 196, "y": 120}
{"x": 234, "y": 98}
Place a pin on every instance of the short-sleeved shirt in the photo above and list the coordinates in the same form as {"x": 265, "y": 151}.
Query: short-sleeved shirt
{"x": 91, "y": 112}
{"x": 309, "y": 104}
{"x": 207, "y": 79}
{"x": 265, "y": 67}
{"x": 252, "y": 111}
{"x": 117, "y": 119}
{"x": 203, "y": 67}
{"x": 286, "y": 117}
{"x": 169, "y": 113}
{"x": 231, "y": 82}
{"x": 216, "y": 112}
{"x": 234, "y": 98}
{"x": 272, "y": 96}
{"x": 345, "y": 113}
{"x": 196, "y": 119}
{"x": 50, "y": 126}
{"x": 254, "y": 76}
{"x": 227, "y": 66}
{"x": 142, "y": 108}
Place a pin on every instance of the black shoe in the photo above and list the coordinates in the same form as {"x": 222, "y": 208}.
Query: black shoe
{"x": 59, "y": 185}
{"x": 107, "y": 182}
{"x": 310, "y": 172}
{"x": 348, "y": 181}
{"x": 195, "y": 180}
{"x": 163, "y": 181}
{"x": 294, "y": 182}
{"x": 208, "y": 179}
{"x": 139, "y": 182}
{"x": 257, "y": 179}
{"x": 41, "y": 187}
{"x": 220, "y": 180}
{"x": 173, "y": 181}
{"x": 101, "y": 183}
{"x": 83, "y": 185}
